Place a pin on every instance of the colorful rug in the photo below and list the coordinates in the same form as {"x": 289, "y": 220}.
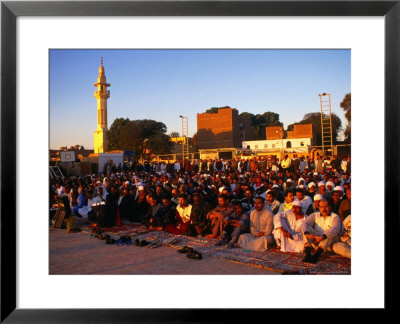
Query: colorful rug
{"x": 273, "y": 260}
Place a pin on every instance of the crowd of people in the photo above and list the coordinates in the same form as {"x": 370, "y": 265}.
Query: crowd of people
{"x": 296, "y": 205}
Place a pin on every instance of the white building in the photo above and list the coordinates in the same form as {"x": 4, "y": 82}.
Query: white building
{"x": 285, "y": 143}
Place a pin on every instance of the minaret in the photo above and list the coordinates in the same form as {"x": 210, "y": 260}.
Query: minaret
{"x": 101, "y": 94}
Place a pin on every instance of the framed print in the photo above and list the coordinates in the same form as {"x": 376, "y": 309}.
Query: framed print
{"x": 25, "y": 27}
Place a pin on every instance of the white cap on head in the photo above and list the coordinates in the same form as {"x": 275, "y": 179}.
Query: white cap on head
{"x": 318, "y": 197}
{"x": 301, "y": 186}
{"x": 275, "y": 186}
{"x": 338, "y": 188}
{"x": 330, "y": 183}
{"x": 311, "y": 184}
{"x": 220, "y": 189}
{"x": 127, "y": 182}
{"x": 289, "y": 180}
{"x": 140, "y": 188}
{"x": 297, "y": 203}
{"x": 321, "y": 183}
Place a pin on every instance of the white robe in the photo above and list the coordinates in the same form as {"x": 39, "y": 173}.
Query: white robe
{"x": 259, "y": 222}
{"x": 287, "y": 220}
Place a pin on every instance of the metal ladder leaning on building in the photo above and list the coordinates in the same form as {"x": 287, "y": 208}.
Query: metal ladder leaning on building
{"x": 326, "y": 123}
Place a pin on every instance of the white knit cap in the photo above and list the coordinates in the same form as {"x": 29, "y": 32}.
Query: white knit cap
{"x": 318, "y": 197}
{"x": 311, "y": 184}
{"x": 338, "y": 188}
{"x": 330, "y": 183}
{"x": 321, "y": 183}
{"x": 297, "y": 203}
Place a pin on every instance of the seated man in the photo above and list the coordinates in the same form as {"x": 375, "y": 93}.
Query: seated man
{"x": 127, "y": 205}
{"x": 271, "y": 203}
{"x": 234, "y": 225}
{"x": 304, "y": 199}
{"x": 326, "y": 226}
{"x": 151, "y": 221}
{"x": 261, "y": 226}
{"x": 248, "y": 201}
{"x": 287, "y": 204}
{"x": 166, "y": 214}
{"x": 79, "y": 202}
{"x": 343, "y": 247}
{"x": 345, "y": 206}
{"x": 288, "y": 230}
{"x": 315, "y": 206}
{"x": 217, "y": 216}
{"x": 86, "y": 210}
{"x": 182, "y": 216}
{"x": 198, "y": 219}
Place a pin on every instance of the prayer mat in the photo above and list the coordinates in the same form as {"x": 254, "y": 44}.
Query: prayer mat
{"x": 132, "y": 229}
{"x": 272, "y": 260}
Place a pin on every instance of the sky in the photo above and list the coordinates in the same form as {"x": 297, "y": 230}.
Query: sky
{"x": 163, "y": 84}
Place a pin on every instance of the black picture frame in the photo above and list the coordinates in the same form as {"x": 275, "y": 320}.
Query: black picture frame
{"x": 10, "y": 10}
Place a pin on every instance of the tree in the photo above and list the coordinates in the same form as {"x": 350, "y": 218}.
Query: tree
{"x": 144, "y": 137}
{"x": 315, "y": 120}
{"x": 195, "y": 141}
{"x": 346, "y": 106}
{"x": 174, "y": 134}
{"x": 214, "y": 110}
{"x": 114, "y": 134}
{"x": 259, "y": 122}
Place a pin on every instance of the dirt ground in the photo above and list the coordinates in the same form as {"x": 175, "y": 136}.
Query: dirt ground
{"x": 78, "y": 253}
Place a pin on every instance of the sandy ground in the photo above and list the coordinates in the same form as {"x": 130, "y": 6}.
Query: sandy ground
{"x": 77, "y": 253}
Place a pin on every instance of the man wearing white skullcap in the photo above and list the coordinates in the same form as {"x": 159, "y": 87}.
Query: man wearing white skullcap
{"x": 305, "y": 200}
{"x": 329, "y": 186}
{"x": 322, "y": 191}
{"x": 289, "y": 229}
{"x": 315, "y": 206}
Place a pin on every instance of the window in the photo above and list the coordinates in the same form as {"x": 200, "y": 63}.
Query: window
{"x": 256, "y": 147}
{"x": 241, "y": 135}
{"x": 273, "y": 145}
{"x": 265, "y": 146}
{"x": 301, "y": 143}
{"x": 288, "y": 144}
{"x": 248, "y": 147}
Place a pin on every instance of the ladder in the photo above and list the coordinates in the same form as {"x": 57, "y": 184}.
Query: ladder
{"x": 185, "y": 135}
{"x": 326, "y": 123}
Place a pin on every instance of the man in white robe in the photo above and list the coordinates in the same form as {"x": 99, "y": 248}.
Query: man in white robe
{"x": 306, "y": 201}
{"x": 343, "y": 247}
{"x": 326, "y": 227}
{"x": 261, "y": 225}
{"x": 289, "y": 228}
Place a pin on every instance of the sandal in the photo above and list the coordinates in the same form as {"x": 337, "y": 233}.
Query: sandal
{"x": 144, "y": 243}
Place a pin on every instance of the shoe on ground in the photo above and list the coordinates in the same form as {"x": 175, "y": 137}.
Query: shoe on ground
{"x": 144, "y": 243}
{"x": 194, "y": 255}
